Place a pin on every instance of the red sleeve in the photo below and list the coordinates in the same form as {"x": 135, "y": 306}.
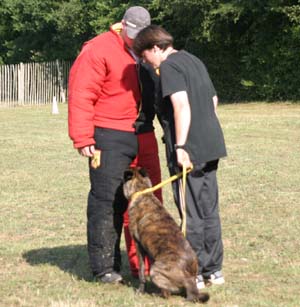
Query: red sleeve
{"x": 85, "y": 82}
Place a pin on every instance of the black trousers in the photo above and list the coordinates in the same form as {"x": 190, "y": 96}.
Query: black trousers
{"x": 203, "y": 226}
{"x": 106, "y": 202}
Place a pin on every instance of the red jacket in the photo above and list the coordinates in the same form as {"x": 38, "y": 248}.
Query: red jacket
{"x": 103, "y": 89}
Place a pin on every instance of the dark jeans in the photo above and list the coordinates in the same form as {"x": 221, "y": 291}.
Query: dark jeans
{"x": 203, "y": 226}
{"x": 106, "y": 202}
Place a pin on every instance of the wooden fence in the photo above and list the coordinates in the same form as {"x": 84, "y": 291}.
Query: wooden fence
{"x": 33, "y": 83}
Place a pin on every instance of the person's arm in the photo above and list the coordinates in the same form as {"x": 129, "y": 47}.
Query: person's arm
{"x": 182, "y": 119}
{"x": 85, "y": 82}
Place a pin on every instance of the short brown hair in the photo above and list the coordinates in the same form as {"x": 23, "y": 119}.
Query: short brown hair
{"x": 151, "y": 36}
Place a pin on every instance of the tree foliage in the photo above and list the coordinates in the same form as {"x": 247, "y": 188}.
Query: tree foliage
{"x": 251, "y": 48}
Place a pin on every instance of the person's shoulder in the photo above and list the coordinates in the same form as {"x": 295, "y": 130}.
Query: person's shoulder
{"x": 191, "y": 56}
{"x": 101, "y": 38}
{"x": 172, "y": 62}
{"x": 101, "y": 45}
{"x": 175, "y": 58}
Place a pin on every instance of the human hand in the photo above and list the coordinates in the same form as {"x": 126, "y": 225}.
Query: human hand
{"x": 87, "y": 151}
{"x": 183, "y": 158}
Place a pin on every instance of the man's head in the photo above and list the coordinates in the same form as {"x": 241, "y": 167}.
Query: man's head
{"x": 152, "y": 44}
{"x": 135, "y": 19}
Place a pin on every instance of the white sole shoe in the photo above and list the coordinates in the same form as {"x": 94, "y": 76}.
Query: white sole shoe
{"x": 216, "y": 278}
{"x": 200, "y": 282}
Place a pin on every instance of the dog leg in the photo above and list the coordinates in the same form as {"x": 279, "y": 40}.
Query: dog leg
{"x": 161, "y": 276}
{"x": 165, "y": 293}
{"x": 141, "y": 255}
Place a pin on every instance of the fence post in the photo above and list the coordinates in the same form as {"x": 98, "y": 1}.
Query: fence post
{"x": 21, "y": 91}
{"x": 33, "y": 83}
{"x": 60, "y": 80}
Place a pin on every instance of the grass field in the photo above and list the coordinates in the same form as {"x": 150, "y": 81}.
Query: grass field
{"x": 43, "y": 190}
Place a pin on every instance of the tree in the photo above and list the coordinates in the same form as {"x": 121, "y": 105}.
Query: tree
{"x": 251, "y": 48}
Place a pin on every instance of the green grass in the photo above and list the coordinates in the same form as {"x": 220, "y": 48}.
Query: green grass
{"x": 43, "y": 190}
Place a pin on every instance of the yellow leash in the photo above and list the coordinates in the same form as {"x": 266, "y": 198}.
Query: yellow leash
{"x": 184, "y": 173}
{"x": 182, "y": 201}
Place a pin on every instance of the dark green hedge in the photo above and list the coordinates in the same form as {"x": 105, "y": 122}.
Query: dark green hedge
{"x": 251, "y": 48}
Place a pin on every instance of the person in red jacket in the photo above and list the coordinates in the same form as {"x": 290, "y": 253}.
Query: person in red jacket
{"x": 104, "y": 98}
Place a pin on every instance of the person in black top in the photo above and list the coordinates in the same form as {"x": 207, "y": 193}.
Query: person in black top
{"x": 194, "y": 138}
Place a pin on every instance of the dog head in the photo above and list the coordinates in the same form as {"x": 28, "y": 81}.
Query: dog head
{"x": 135, "y": 179}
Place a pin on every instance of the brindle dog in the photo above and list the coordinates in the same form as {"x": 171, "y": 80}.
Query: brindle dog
{"x": 156, "y": 234}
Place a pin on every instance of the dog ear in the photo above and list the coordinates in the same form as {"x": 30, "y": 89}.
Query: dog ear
{"x": 143, "y": 172}
{"x": 128, "y": 174}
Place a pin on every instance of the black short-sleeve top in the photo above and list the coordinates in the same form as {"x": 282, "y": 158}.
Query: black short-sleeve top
{"x": 182, "y": 71}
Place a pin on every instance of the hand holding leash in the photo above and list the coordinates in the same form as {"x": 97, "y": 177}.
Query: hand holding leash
{"x": 183, "y": 158}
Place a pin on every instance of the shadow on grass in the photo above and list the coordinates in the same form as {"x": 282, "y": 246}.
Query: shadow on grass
{"x": 73, "y": 259}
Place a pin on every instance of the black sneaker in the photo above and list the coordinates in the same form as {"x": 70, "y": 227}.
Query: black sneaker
{"x": 110, "y": 278}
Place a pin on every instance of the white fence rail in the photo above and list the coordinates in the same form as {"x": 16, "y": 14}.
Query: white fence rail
{"x": 33, "y": 83}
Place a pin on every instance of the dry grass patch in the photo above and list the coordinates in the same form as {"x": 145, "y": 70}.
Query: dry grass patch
{"x": 44, "y": 186}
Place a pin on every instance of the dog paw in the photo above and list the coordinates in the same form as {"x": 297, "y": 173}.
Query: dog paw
{"x": 165, "y": 293}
